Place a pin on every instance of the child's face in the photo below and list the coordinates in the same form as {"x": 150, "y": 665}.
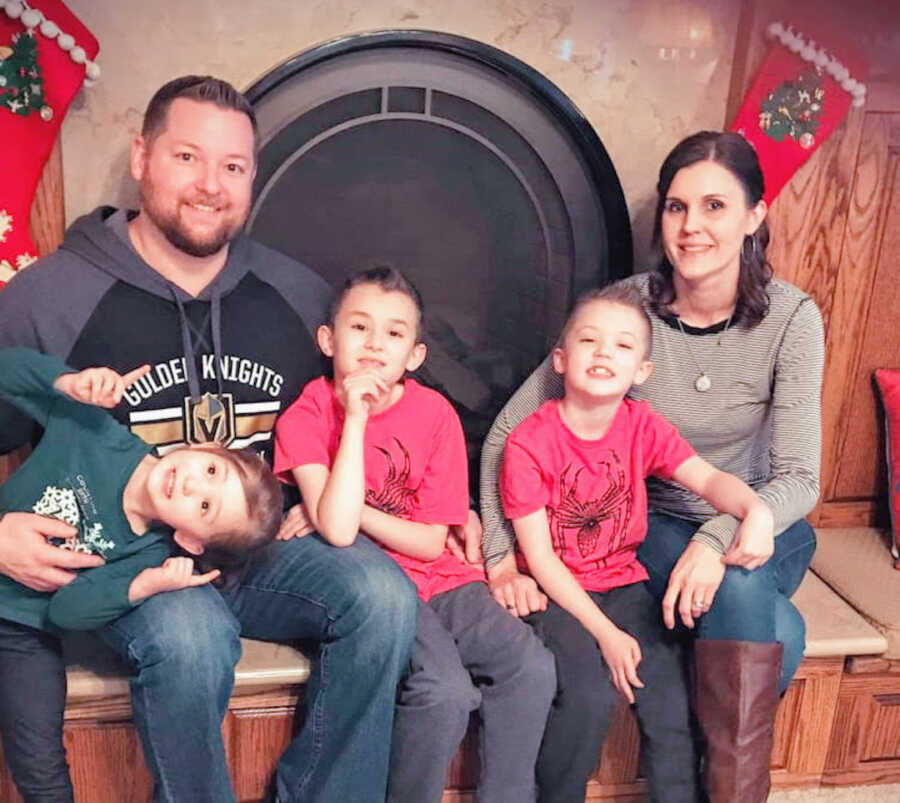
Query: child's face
{"x": 602, "y": 355}
{"x": 375, "y": 330}
{"x": 198, "y": 493}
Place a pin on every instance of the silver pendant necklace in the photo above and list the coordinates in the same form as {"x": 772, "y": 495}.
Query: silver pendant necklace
{"x": 702, "y": 383}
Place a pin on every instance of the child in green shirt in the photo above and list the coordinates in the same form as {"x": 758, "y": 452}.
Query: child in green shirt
{"x": 124, "y": 503}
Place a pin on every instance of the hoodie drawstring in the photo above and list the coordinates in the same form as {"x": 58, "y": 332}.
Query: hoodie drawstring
{"x": 216, "y": 323}
{"x": 190, "y": 359}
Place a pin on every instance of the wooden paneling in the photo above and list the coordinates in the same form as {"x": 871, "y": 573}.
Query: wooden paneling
{"x": 48, "y": 212}
{"x": 865, "y": 744}
{"x": 257, "y": 730}
{"x": 862, "y": 335}
{"x": 835, "y": 234}
{"x": 804, "y": 722}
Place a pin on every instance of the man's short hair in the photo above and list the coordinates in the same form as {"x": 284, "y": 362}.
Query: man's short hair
{"x": 203, "y": 88}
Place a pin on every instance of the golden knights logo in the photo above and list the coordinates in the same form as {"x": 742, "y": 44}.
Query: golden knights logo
{"x": 209, "y": 419}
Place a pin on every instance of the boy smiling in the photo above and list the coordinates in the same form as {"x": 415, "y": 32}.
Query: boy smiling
{"x": 377, "y": 453}
{"x": 573, "y": 486}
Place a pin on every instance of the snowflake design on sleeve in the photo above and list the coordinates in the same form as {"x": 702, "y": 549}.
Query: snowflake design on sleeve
{"x": 94, "y": 541}
{"x": 60, "y": 503}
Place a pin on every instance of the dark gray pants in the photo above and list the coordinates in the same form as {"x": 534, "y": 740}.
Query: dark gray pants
{"x": 32, "y": 701}
{"x": 585, "y": 701}
{"x": 470, "y": 654}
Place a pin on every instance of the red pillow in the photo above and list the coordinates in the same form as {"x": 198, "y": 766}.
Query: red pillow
{"x": 888, "y": 380}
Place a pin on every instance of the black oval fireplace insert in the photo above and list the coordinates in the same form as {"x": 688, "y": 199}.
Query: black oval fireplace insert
{"x": 459, "y": 165}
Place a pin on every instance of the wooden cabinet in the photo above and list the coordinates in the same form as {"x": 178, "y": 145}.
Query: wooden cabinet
{"x": 835, "y": 233}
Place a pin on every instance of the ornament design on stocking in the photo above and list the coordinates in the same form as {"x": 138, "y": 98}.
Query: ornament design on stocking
{"x": 799, "y": 96}
{"x": 46, "y": 55}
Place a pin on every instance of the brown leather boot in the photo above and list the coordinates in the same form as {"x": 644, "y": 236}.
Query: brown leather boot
{"x": 737, "y": 694}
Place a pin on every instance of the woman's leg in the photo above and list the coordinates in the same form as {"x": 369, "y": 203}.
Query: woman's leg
{"x": 32, "y": 701}
{"x": 739, "y": 642}
{"x": 749, "y": 606}
{"x": 794, "y": 549}
{"x": 581, "y": 711}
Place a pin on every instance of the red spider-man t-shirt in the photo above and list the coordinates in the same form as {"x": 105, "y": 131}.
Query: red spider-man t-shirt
{"x": 593, "y": 491}
{"x": 415, "y": 462}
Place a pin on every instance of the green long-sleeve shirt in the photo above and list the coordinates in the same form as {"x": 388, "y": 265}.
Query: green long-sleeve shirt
{"x": 76, "y": 473}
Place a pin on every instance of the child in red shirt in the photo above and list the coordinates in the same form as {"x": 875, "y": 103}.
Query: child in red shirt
{"x": 375, "y": 453}
{"x": 573, "y": 485}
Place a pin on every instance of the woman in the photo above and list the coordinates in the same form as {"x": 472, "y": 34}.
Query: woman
{"x": 738, "y": 362}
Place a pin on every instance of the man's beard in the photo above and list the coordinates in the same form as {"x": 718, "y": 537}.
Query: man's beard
{"x": 172, "y": 228}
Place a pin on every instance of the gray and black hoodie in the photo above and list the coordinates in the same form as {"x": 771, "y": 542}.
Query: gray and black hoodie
{"x": 224, "y": 364}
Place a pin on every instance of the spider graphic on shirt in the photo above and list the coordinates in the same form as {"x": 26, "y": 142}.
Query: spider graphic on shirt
{"x": 395, "y": 496}
{"x": 587, "y": 516}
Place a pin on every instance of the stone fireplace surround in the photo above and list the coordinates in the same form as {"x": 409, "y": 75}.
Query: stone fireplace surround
{"x": 461, "y": 166}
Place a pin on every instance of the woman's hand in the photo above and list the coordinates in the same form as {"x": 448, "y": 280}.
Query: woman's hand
{"x": 693, "y": 584}
{"x": 622, "y": 654}
{"x": 517, "y": 592}
{"x": 754, "y": 541}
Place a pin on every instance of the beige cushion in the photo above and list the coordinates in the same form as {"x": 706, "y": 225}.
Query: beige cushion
{"x": 856, "y": 562}
{"x": 833, "y": 628}
{"x": 95, "y": 672}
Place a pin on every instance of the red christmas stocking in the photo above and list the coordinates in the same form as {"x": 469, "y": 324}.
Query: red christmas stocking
{"x": 799, "y": 96}
{"x": 45, "y": 54}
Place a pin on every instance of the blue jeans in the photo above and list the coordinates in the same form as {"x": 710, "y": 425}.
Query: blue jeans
{"x": 355, "y": 602}
{"x": 32, "y": 701}
{"x": 749, "y": 605}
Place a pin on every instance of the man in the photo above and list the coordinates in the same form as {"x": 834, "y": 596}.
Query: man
{"x": 227, "y": 326}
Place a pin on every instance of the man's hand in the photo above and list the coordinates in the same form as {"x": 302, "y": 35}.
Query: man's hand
{"x": 516, "y": 592}
{"x": 464, "y": 540}
{"x": 173, "y": 575}
{"x": 27, "y": 558}
{"x": 754, "y": 542}
{"x": 295, "y": 524}
{"x": 693, "y": 584}
{"x": 622, "y": 654}
{"x": 100, "y": 386}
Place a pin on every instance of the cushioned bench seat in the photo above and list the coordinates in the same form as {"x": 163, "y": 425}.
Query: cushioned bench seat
{"x": 95, "y": 673}
{"x": 856, "y": 562}
{"x": 833, "y": 629}
{"x": 269, "y": 683}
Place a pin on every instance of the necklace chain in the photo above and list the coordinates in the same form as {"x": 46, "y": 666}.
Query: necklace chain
{"x": 702, "y": 383}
